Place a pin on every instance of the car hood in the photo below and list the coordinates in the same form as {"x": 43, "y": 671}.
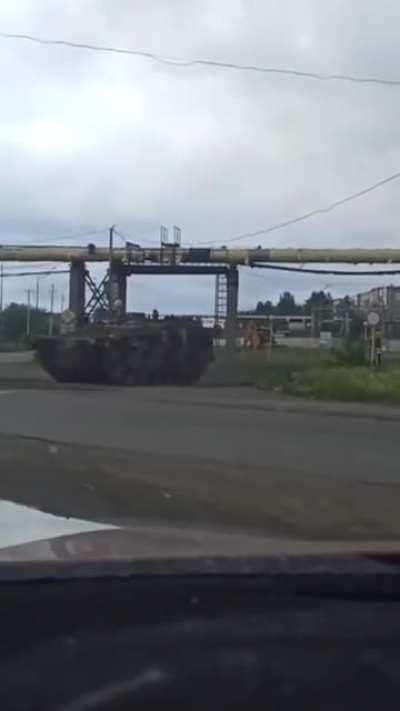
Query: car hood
{"x": 29, "y": 535}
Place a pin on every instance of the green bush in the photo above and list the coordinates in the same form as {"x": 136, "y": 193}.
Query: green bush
{"x": 284, "y": 369}
{"x": 355, "y": 384}
{"x": 316, "y": 373}
{"x": 351, "y": 353}
{"x": 324, "y": 376}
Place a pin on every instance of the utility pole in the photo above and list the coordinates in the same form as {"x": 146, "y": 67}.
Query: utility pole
{"x": 1, "y": 300}
{"x": 270, "y": 336}
{"x": 110, "y": 272}
{"x": 313, "y": 322}
{"x": 51, "y": 317}
{"x": 62, "y": 302}
{"x": 28, "y": 314}
{"x": 1, "y": 287}
{"x": 347, "y": 324}
{"x": 37, "y": 300}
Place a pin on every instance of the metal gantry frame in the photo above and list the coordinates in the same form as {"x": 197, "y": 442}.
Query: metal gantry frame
{"x": 172, "y": 258}
{"x": 80, "y": 280}
{"x": 98, "y": 294}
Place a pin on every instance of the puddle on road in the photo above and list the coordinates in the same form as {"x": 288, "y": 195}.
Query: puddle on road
{"x": 21, "y": 524}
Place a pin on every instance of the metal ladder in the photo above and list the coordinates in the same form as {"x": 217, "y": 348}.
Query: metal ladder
{"x": 221, "y": 300}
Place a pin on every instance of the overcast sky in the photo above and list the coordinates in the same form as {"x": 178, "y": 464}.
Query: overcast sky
{"x": 90, "y": 139}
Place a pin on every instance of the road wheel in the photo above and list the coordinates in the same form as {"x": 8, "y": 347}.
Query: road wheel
{"x": 122, "y": 366}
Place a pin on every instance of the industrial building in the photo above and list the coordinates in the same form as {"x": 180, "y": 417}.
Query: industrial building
{"x": 386, "y": 301}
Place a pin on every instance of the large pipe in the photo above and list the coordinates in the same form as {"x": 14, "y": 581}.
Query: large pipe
{"x": 193, "y": 255}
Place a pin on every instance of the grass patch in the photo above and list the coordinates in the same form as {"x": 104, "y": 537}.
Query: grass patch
{"x": 348, "y": 384}
{"x": 318, "y": 374}
{"x": 286, "y": 368}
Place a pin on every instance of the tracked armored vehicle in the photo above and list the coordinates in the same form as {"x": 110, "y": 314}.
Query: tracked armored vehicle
{"x": 140, "y": 351}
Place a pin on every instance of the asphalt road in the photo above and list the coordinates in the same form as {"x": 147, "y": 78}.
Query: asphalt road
{"x": 205, "y": 455}
{"x": 222, "y": 425}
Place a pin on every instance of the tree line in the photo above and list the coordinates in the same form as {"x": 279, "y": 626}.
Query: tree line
{"x": 14, "y": 323}
{"x": 317, "y": 301}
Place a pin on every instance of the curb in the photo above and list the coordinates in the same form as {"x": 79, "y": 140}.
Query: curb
{"x": 326, "y": 409}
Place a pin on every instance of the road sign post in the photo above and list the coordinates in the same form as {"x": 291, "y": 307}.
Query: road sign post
{"x": 373, "y": 320}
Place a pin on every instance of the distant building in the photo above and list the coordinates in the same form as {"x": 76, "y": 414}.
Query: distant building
{"x": 386, "y": 301}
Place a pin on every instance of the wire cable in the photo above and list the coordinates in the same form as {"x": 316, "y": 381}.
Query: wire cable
{"x": 182, "y": 62}
{"x": 127, "y": 238}
{"x": 19, "y": 265}
{"x": 7, "y": 275}
{"x": 335, "y": 272}
{"x": 78, "y": 235}
{"x": 121, "y": 236}
{"x": 312, "y": 213}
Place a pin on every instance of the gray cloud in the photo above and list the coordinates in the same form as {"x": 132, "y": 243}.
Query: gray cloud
{"x": 88, "y": 139}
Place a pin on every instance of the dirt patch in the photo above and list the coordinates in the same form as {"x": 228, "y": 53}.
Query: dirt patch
{"x": 109, "y": 485}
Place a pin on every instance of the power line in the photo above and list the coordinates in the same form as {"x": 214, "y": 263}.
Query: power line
{"x": 312, "y": 213}
{"x": 78, "y": 235}
{"x": 38, "y": 265}
{"x": 182, "y": 62}
{"x": 127, "y": 238}
{"x": 335, "y": 272}
{"x": 8, "y": 275}
{"x": 120, "y": 235}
